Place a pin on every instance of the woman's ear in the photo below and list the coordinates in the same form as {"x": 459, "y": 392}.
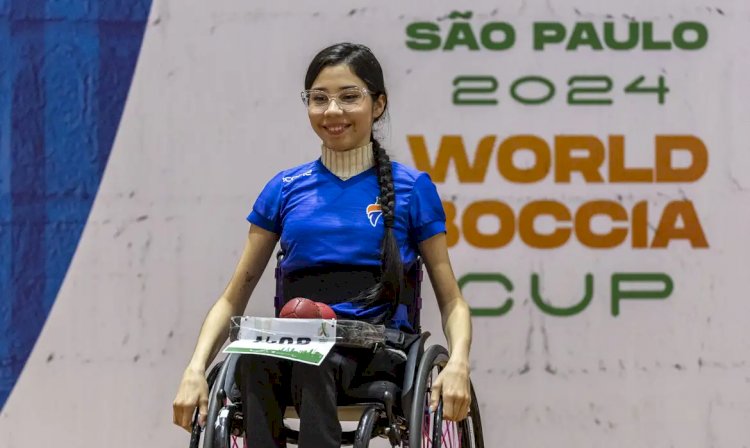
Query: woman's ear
{"x": 378, "y": 107}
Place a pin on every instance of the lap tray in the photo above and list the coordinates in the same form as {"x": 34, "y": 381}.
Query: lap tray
{"x": 348, "y": 333}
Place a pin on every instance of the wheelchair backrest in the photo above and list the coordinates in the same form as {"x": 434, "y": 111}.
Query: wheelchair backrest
{"x": 411, "y": 292}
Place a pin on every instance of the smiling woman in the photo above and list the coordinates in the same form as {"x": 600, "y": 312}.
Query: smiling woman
{"x": 341, "y": 111}
{"x": 350, "y": 224}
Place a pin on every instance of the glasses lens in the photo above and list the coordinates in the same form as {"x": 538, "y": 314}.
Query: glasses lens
{"x": 350, "y": 97}
{"x": 316, "y": 98}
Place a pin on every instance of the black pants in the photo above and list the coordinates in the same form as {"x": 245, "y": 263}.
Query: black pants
{"x": 268, "y": 385}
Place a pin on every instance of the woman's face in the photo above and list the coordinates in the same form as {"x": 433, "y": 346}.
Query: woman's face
{"x": 338, "y": 129}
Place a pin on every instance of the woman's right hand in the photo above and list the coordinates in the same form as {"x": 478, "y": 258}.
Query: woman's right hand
{"x": 193, "y": 391}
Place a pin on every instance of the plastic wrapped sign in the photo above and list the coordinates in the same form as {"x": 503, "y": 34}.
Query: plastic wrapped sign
{"x": 300, "y": 340}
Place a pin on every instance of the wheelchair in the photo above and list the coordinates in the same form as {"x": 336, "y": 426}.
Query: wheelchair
{"x": 398, "y": 412}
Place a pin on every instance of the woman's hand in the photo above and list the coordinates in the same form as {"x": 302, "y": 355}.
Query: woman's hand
{"x": 453, "y": 385}
{"x": 193, "y": 391}
{"x": 453, "y": 382}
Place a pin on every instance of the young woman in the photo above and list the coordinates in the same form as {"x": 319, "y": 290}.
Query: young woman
{"x": 351, "y": 214}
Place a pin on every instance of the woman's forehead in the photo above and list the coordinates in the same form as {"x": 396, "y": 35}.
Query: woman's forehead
{"x": 337, "y": 77}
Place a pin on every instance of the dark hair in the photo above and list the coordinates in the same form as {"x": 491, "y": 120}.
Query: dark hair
{"x": 364, "y": 64}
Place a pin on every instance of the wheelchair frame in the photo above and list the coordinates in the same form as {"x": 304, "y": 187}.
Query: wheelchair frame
{"x": 413, "y": 427}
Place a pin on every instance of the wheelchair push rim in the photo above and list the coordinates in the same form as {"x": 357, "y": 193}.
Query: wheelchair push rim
{"x": 217, "y": 432}
{"x": 429, "y": 430}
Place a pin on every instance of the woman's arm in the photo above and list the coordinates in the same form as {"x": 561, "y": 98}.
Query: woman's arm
{"x": 453, "y": 382}
{"x": 193, "y": 390}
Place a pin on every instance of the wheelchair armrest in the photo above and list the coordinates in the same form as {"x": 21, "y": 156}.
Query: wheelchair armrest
{"x": 410, "y": 371}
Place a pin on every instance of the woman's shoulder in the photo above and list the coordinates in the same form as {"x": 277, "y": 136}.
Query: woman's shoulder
{"x": 408, "y": 174}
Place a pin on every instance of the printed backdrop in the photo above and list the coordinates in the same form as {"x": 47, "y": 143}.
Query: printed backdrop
{"x": 592, "y": 158}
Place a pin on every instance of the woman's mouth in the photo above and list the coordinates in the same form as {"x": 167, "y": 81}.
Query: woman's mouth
{"x": 336, "y": 129}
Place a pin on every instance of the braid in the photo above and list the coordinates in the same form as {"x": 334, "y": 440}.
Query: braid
{"x": 392, "y": 266}
{"x": 388, "y": 289}
{"x": 385, "y": 182}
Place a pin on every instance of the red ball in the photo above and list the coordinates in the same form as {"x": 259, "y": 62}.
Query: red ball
{"x": 326, "y": 312}
{"x": 299, "y": 308}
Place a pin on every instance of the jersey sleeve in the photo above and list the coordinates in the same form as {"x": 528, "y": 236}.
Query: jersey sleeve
{"x": 425, "y": 210}
{"x": 266, "y": 212}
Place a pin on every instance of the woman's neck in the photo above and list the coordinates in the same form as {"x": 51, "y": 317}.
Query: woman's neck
{"x": 349, "y": 163}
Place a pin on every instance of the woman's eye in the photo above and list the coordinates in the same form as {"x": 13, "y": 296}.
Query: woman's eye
{"x": 318, "y": 98}
{"x": 350, "y": 97}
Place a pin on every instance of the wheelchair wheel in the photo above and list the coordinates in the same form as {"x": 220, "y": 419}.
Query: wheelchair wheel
{"x": 223, "y": 422}
{"x": 429, "y": 430}
{"x": 195, "y": 435}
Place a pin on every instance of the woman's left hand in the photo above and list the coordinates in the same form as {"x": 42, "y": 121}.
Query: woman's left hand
{"x": 453, "y": 385}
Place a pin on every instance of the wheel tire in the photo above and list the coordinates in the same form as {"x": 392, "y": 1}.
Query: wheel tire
{"x": 470, "y": 429}
{"x": 216, "y": 398}
{"x": 472, "y": 436}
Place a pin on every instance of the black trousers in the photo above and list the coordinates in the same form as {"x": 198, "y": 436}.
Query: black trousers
{"x": 268, "y": 385}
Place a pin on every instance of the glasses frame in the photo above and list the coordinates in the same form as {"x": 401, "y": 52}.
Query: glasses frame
{"x": 305, "y": 95}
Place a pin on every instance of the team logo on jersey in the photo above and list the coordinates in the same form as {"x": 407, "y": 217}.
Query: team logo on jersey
{"x": 374, "y": 212}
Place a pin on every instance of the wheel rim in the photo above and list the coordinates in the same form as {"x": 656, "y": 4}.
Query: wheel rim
{"x": 450, "y": 434}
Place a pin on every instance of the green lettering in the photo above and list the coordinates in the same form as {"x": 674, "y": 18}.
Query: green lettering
{"x": 461, "y": 34}
{"x": 547, "y": 33}
{"x": 506, "y": 29}
{"x": 648, "y": 39}
{"x": 584, "y": 33}
{"x": 488, "y": 277}
{"x": 563, "y": 312}
{"x": 618, "y": 294}
{"x": 613, "y": 43}
{"x": 424, "y": 36}
{"x": 678, "y": 35}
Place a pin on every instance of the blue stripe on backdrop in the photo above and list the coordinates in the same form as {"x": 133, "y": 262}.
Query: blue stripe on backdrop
{"x": 6, "y": 377}
{"x": 72, "y": 172}
{"x": 26, "y": 182}
{"x": 69, "y": 67}
{"x": 71, "y": 11}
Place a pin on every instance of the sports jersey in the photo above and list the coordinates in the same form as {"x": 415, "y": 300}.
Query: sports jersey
{"x": 323, "y": 220}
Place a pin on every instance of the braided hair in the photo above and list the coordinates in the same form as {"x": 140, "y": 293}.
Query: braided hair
{"x": 363, "y": 63}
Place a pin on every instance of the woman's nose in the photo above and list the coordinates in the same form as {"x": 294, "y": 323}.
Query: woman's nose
{"x": 333, "y": 107}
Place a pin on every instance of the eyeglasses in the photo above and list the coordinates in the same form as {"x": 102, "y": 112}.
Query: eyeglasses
{"x": 346, "y": 99}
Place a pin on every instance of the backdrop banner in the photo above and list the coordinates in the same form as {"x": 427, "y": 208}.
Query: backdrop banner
{"x": 593, "y": 162}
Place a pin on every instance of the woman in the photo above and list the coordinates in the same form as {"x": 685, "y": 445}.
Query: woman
{"x": 351, "y": 211}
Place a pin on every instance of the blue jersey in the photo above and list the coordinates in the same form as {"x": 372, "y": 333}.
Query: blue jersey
{"x": 323, "y": 220}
